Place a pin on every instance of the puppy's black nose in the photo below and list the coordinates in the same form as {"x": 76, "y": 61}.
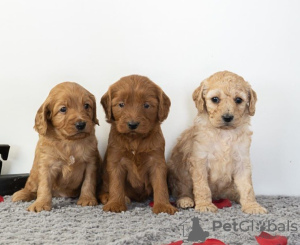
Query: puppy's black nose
{"x": 227, "y": 118}
{"x": 80, "y": 125}
{"x": 133, "y": 125}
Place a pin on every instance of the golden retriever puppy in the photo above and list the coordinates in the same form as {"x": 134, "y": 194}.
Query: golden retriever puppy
{"x": 211, "y": 159}
{"x": 66, "y": 156}
{"x": 134, "y": 163}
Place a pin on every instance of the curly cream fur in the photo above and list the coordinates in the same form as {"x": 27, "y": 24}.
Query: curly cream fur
{"x": 211, "y": 159}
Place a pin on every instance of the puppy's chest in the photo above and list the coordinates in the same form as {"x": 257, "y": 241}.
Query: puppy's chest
{"x": 136, "y": 170}
{"x": 135, "y": 163}
{"x": 224, "y": 154}
{"x": 221, "y": 149}
{"x": 71, "y": 164}
{"x": 73, "y": 161}
{"x": 73, "y": 153}
{"x": 70, "y": 160}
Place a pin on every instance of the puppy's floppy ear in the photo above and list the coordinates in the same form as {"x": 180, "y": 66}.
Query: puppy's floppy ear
{"x": 164, "y": 106}
{"x": 95, "y": 120}
{"x": 106, "y": 104}
{"x": 252, "y": 101}
{"x": 198, "y": 97}
{"x": 42, "y": 116}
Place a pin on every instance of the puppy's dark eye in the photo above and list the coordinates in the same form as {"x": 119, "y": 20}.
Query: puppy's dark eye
{"x": 146, "y": 105}
{"x": 121, "y": 104}
{"x": 238, "y": 100}
{"x": 63, "y": 109}
{"x": 215, "y": 100}
{"x": 86, "y": 106}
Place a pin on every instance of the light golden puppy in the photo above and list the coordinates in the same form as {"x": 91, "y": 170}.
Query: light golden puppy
{"x": 66, "y": 156}
{"x": 211, "y": 159}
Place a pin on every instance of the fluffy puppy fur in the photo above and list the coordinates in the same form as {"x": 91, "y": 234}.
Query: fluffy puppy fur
{"x": 66, "y": 156}
{"x": 134, "y": 163}
{"x": 211, "y": 159}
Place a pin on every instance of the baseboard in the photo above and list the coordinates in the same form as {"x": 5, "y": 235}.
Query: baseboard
{"x": 11, "y": 183}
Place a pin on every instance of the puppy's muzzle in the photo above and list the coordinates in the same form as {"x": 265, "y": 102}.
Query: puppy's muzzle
{"x": 80, "y": 125}
{"x": 227, "y": 118}
{"x": 133, "y": 125}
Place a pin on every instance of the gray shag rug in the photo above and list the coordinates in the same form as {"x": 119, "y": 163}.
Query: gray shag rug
{"x": 68, "y": 223}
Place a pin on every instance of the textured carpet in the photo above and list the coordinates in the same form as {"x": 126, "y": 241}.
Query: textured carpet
{"x": 69, "y": 224}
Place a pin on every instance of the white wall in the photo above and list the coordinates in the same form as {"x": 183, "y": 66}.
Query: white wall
{"x": 176, "y": 44}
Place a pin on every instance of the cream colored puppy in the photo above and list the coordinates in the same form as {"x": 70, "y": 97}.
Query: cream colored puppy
{"x": 211, "y": 159}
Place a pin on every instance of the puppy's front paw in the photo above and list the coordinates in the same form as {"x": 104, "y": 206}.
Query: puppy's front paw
{"x": 164, "y": 208}
{"x": 39, "y": 206}
{"x": 116, "y": 207}
{"x": 206, "y": 208}
{"x": 105, "y": 197}
{"x": 19, "y": 196}
{"x": 185, "y": 202}
{"x": 87, "y": 201}
{"x": 254, "y": 208}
